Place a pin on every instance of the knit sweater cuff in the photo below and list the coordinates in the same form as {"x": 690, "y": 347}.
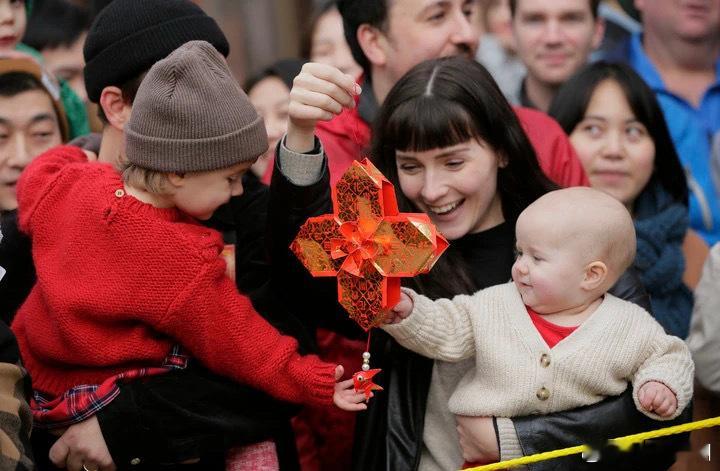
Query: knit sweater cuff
{"x": 318, "y": 379}
{"x": 509, "y": 443}
{"x": 301, "y": 169}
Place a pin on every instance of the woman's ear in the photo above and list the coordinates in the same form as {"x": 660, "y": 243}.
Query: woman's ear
{"x": 373, "y": 43}
{"x": 502, "y": 160}
{"x": 595, "y": 274}
{"x": 116, "y": 109}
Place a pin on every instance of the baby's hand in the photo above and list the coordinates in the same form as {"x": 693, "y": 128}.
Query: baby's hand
{"x": 658, "y": 398}
{"x": 345, "y": 396}
{"x": 401, "y": 310}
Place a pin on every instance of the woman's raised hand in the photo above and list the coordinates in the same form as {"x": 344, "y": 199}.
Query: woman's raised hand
{"x": 319, "y": 93}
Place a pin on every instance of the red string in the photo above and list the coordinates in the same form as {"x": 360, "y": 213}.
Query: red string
{"x": 367, "y": 346}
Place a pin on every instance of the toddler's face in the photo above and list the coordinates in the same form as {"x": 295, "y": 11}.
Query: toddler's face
{"x": 548, "y": 269}
{"x": 201, "y": 193}
{"x": 12, "y": 23}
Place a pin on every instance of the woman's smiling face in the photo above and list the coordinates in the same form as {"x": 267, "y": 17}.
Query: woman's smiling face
{"x": 456, "y": 186}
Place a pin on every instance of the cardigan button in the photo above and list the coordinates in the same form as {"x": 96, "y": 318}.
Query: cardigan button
{"x": 543, "y": 393}
{"x": 119, "y": 193}
{"x": 545, "y": 360}
{"x": 135, "y": 461}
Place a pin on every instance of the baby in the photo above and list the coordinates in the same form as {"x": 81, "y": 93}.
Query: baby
{"x": 553, "y": 338}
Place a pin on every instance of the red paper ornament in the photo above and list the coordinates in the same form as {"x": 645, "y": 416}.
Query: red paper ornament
{"x": 367, "y": 244}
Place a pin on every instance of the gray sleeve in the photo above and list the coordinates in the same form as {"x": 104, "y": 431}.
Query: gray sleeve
{"x": 301, "y": 169}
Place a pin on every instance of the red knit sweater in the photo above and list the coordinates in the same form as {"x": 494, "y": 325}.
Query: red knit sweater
{"x": 120, "y": 282}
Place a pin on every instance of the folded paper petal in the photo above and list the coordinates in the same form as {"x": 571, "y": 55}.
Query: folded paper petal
{"x": 367, "y": 244}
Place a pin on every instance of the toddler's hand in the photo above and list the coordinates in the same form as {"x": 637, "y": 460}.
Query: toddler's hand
{"x": 401, "y": 310}
{"x": 345, "y": 396}
{"x": 319, "y": 93}
{"x": 658, "y": 398}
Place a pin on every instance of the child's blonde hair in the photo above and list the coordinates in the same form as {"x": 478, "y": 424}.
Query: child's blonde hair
{"x": 152, "y": 181}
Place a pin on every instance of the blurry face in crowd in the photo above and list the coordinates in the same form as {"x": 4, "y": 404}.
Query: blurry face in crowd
{"x": 67, "y": 63}
{"x": 614, "y": 147}
{"x": 418, "y": 30}
{"x": 555, "y": 38}
{"x": 199, "y": 194}
{"x": 499, "y": 23}
{"x": 12, "y": 23}
{"x": 270, "y": 97}
{"x": 28, "y": 127}
{"x": 691, "y": 20}
{"x": 456, "y": 186}
{"x": 329, "y": 45}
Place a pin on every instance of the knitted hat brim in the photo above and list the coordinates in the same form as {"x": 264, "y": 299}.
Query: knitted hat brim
{"x": 197, "y": 155}
{"x": 145, "y": 47}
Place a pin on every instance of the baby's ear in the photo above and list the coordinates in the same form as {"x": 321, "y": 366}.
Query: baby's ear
{"x": 595, "y": 274}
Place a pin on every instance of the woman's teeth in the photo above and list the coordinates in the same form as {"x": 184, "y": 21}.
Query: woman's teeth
{"x": 440, "y": 210}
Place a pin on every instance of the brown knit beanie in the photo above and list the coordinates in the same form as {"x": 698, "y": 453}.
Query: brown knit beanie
{"x": 190, "y": 115}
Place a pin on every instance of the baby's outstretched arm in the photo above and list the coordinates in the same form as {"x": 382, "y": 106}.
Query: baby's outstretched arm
{"x": 658, "y": 398}
{"x": 440, "y": 329}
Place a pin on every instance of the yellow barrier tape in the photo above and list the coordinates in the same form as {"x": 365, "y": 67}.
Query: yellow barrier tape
{"x": 623, "y": 443}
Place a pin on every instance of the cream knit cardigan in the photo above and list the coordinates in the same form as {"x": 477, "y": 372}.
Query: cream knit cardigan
{"x": 517, "y": 374}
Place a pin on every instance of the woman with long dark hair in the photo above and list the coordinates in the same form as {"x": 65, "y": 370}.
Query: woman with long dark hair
{"x": 454, "y": 149}
{"x": 618, "y": 130}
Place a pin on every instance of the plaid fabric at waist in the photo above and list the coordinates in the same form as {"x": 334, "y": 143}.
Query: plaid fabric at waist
{"x": 85, "y": 400}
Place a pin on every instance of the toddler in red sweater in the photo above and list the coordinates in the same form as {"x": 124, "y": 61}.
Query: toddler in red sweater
{"x": 125, "y": 271}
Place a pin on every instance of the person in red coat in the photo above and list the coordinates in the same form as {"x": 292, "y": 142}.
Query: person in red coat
{"x": 125, "y": 271}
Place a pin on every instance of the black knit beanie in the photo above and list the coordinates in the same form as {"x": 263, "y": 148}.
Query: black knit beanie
{"x": 129, "y": 36}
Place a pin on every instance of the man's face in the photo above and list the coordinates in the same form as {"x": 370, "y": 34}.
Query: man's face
{"x": 418, "y": 30}
{"x": 28, "y": 127}
{"x": 555, "y": 38}
{"x": 690, "y": 20}
{"x": 67, "y": 63}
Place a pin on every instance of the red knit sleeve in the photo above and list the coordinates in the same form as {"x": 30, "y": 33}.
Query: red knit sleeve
{"x": 220, "y": 327}
{"x": 40, "y": 177}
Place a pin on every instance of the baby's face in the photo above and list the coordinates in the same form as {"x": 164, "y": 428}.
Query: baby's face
{"x": 548, "y": 269}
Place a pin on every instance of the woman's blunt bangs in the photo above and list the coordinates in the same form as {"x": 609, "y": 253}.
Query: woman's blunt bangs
{"x": 428, "y": 122}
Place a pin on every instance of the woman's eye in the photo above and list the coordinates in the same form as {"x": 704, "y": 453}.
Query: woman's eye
{"x": 593, "y": 129}
{"x": 635, "y": 133}
{"x": 408, "y": 167}
{"x": 454, "y": 163}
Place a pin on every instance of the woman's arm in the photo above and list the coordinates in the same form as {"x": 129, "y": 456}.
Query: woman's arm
{"x": 594, "y": 425}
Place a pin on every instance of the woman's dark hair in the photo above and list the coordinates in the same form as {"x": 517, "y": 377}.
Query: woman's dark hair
{"x": 448, "y": 101}
{"x": 573, "y": 98}
{"x": 55, "y": 23}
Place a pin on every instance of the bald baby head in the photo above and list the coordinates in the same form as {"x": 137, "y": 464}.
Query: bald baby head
{"x": 591, "y": 222}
